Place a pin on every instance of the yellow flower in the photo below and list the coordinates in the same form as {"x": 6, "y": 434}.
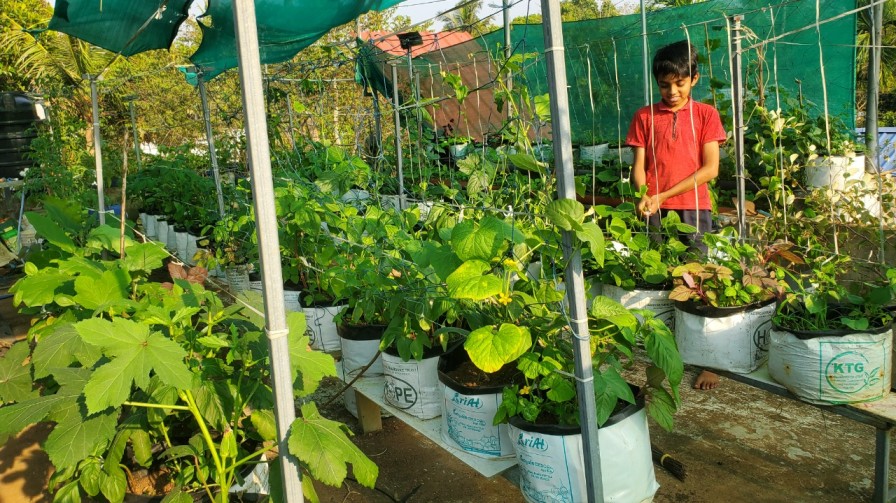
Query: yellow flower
{"x": 524, "y": 390}
{"x": 504, "y": 299}
{"x": 509, "y": 262}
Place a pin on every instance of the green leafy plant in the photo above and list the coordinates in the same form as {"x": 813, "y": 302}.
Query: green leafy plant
{"x": 635, "y": 258}
{"x": 736, "y": 274}
{"x": 135, "y": 374}
{"x": 820, "y": 300}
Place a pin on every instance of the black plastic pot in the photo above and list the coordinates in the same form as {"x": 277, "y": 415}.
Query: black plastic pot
{"x": 566, "y": 429}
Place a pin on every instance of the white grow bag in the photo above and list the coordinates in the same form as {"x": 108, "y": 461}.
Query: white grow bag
{"x": 321, "y": 329}
{"x": 733, "y": 339}
{"x": 413, "y": 386}
{"x": 468, "y": 412}
{"x": 846, "y": 368}
{"x": 552, "y": 461}
{"x": 656, "y": 301}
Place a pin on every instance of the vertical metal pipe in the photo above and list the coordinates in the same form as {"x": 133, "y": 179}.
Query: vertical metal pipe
{"x": 268, "y": 241}
{"x": 97, "y": 150}
{"x": 872, "y": 147}
{"x": 575, "y": 285}
{"x": 210, "y": 137}
{"x": 737, "y": 98}
{"x": 396, "y": 105}
{"x": 645, "y": 56}
{"x": 508, "y": 50}
{"x": 136, "y": 134}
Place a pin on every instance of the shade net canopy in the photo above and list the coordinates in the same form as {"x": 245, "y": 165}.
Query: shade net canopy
{"x": 121, "y": 26}
{"x": 285, "y": 27}
{"x": 604, "y": 63}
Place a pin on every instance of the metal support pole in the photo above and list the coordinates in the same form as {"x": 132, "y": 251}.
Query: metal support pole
{"x": 575, "y": 285}
{"x": 645, "y": 56}
{"x": 508, "y": 50}
{"x": 881, "y": 465}
{"x": 268, "y": 240}
{"x": 872, "y": 161}
{"x": 292, "y": 124}
{"x": 97, "y": 150}
{"x": 210, "y": 137}
{"x": 396, "y": 105}
{"x": 136, "y": 134}
{"x": 737, "y": 97}
{"x": 872, "y": 146}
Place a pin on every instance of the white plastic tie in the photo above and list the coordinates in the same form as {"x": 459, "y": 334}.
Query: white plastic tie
{"x": 573, "y": 376}
{"x": 554, "y": 48}
{"x": 276, "y": 334}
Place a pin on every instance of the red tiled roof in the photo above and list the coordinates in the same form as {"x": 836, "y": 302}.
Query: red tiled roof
{"x": 388, "y": 43}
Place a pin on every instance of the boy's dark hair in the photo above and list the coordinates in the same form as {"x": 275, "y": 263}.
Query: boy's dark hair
{"x": 678, "y": 59}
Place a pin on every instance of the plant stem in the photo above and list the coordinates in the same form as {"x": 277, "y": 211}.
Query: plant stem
{"x": 157, "y": 406}
{"x": 187, "y": 396}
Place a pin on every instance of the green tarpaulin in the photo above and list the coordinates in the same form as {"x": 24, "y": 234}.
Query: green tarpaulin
{"x": 285, "y": 27}
{"x": 123, "y": 26}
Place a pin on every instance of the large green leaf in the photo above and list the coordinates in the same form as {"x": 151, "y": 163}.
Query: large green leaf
{"x": 39, "y": 288}
{"x": 662, "y": 350}
{"x": 50, "y": 231}
{"x": 144, "y": 256}
{"x": 567, "y": 214}
{"x": 111, "y": 289}
{"x": 15, "y": 374}
{"x": 59, "y": 346}
{"x": 483, "y": 240}
{"x": 16, "y": 417}
{"x": 81, "y": 266}
{"x": 605, "y": 308}
{"x": 491, "y": 349}
{"x": 74, "y": 440}
{"x": 471, "y": 281}
{"x": 591, "y": 235}
{"x": 325, "y": 448}
{"x": 308, "y": 366}
{"x": 133, "y": 353}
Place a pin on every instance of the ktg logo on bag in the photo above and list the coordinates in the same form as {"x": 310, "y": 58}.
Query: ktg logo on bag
{"x": 849, "y": 372}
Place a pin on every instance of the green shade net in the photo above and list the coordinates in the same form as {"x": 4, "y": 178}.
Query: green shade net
{"x": 604, "y": 61}
{"x": 127, "y": 27}
{"x": 285, "y": 27}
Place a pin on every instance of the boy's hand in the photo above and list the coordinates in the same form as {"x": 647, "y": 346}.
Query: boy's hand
{"x": 649, "y": 205}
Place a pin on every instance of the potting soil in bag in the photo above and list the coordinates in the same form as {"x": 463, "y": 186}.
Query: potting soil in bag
{"x": 552, "y": 466}
{"x": 854, "y": 367}
{"x": 413, "y": 386}
{"x": 732, "y": 339}
{"x": 467, "y": 424}
{"x": 321, "y": 327}
{"x": 652, "y": 300}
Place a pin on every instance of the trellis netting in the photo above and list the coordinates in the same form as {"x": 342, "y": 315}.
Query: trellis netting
{"x": 604, "y": 62}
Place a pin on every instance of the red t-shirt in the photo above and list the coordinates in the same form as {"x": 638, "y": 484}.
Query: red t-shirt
{"x": 675, "y": 150}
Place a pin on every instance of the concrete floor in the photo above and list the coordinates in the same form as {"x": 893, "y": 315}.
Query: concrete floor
{"x": 737, "y": 443}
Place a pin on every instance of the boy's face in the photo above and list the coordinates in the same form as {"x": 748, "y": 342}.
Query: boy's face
{"x": 675, "y": 90}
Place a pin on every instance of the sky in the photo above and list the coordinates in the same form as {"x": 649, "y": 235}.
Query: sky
{"x": 423, "y": 10}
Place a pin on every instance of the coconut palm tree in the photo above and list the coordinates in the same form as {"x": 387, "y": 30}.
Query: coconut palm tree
{"x": 465, "y": 17}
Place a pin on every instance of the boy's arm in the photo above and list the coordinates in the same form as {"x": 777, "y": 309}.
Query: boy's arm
{"x": 704, "y": 174}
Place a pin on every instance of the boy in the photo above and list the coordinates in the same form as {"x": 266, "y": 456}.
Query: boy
{"x": 676, "y": 146}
